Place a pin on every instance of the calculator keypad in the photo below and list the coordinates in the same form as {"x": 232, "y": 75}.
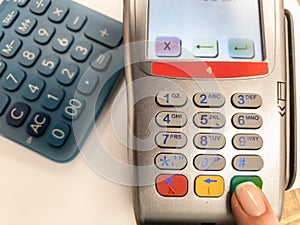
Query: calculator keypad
{"x": 208, "y": 161}
{"x": 52, "y": 54}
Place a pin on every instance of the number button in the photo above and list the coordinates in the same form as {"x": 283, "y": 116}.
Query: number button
{"x": 48, "y": 65}
{"x": 247, "y": 121}
{"x": 81, "y": 51}
{"x": 4, "y": 101}
{"x": 39, "y": 7}
{"x": 88, "y": 83}
{"x": 76, "y": 22}
{"x": 10, "y": 18}
{"x": 247, "y": 141}
{"x": 209, "y": 100}
{"x": 209, "y": 162}
{"x": 13, "y": 80}
{"x": 171, "y": 99}
{"x": 33, "y": 89}
{"x": 38, "y": 124}
{"x": 248, "y": 163}
{"x": 209, "y": 120}
{"x": 68, "y": 74}
{"x": 53, "y": 98}
{"x": 171, "y": 119}
{"x": 26, "y": 25}
{"x": 58, "y": 135}
{"x": 170, "y": 161}
{"x": 171, "y": 140}
{"x": 2, "y": 67}
{"x": 209, "y": 141}
{"x": 44, "y": 34}
{"x": 29, "y": 56}
{"x": 57, "y": 13}
{"x": 73, "y": 108}
{"x": 62, "y": 42}
{"x": 17, "y": 114}
{"x": 9, "y": 47}
{"x": 249, "y": 101}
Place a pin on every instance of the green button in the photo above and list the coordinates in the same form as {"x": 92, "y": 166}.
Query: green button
{"x": 241, "y": 179}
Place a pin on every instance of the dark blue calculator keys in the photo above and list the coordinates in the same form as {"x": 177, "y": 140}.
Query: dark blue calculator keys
{"x": 29, "y": 56}
{"x": 81, "y": 51}
{"x": 76, "y": 22}
{"x": 4, "y": 101}
{"x": 10, "y": 18}
{"x": 48, "y": 65}
{"x": 39, "y": 7}
{"x": 18, "y": 114}
{"x": 58, "y": 134}
{"x": 68, "y": 73}
{"x": 13, "y": 79}
{"x": 102, "y": 61}
{"x": 104, "y": 30}
{"x": 53, "y": 98}
{"x": 33, "y": 89}
{"x": 58, "y": 12}
{"x": 2, "y": 67}
{"x": 22, "y": 3}
{"x": 62, "y": 42}
{"x": 10, "y": 46}
{"x": 38, "y": 124}
{"x": 73, "y": 108}
{"x": 26, "y": 25}
{"x": 44, "y": 34}
{"x": 88, "y": 82}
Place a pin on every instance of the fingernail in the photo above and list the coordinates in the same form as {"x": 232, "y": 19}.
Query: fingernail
{"x": 249, "y": 197}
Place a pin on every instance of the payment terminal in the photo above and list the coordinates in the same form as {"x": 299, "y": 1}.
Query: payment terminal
{"x": 211, "y": 103}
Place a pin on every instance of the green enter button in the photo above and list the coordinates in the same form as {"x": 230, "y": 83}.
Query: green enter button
{"x": 241, "y": 179}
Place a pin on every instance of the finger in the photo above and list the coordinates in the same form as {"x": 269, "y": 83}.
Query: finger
{"x": 250, "y": 206}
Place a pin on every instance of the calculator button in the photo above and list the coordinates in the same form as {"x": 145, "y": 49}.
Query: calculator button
{"x": 205, "y": 48}
{"x": 76, "y": 22}
{"x": 235, "y": 181}
{"x": 26, "y": 25}
{"x": 44, "y": 34}
{"x": 171, "y": 119}
{"x": 73, "y": 108}
{"x": 171, "y": 185}
{"x": 169, "y": 98}
{"x": 209, "y": 186}
{"x": 38, "y": 124}
{"x": 58, "y": 134}
{"x": 209, "y": 100}
{"x": 248, "y": 163}
{"x": 2, "y": 67}
{"x": 209, "y": 141}
{"x": 68, "y": 74}
{"x": 40, "y": 6}
{"x": 104, "y": 30}
{"x": 48, "y": 65}
{"x": 209, "y": 162}
{"x": 171, "y": 140}
{"x": 247, "y": 121}
{"x": 168, "y": 46}
{"x": 4, "y": 101}
{"x": 241, "y": 48}
{"x": 247, "y": 141}
{"x": 53, "y": 98}
{"x": 209, "y": 120}
{"x": 248, "y": 101}
{"x": 58, "y": 12}
{"x": 102, "y": 61}
{"x": 33, "y": 89}
{"x": 170, "y": 161}
{"x": 29, "y": 56}
{"x": 10, "y": 18}
{"x": 62, "y": 42}
{"x": 22, "y": 3}
{"x": 81, "y": 51}
{"x": 18, "y": 114}
{"x": 9, "y": 47}
{"x": 88, "y": 83}
{"x": 13, "y": 80}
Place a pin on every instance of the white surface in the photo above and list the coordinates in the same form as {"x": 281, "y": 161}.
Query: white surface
{"x": 36, "y": 191}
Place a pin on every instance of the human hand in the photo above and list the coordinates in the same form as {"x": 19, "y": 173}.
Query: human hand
{"x": 250, "y": 206}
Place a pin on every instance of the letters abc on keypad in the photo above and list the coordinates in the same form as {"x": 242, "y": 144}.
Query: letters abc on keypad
{"x": 56, "y": 71}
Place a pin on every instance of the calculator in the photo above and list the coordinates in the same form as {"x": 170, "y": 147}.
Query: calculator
{"x": 58, "y": 65}
{"x": 211, "y": 99}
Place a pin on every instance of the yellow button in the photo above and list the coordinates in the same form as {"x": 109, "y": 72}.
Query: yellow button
{"x": 209, "y": 186}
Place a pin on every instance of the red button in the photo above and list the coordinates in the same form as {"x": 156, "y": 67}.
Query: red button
{"x": 170, "y": 185}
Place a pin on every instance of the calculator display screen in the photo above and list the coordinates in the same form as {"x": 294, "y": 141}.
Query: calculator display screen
{"x": 212, "y": 30}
